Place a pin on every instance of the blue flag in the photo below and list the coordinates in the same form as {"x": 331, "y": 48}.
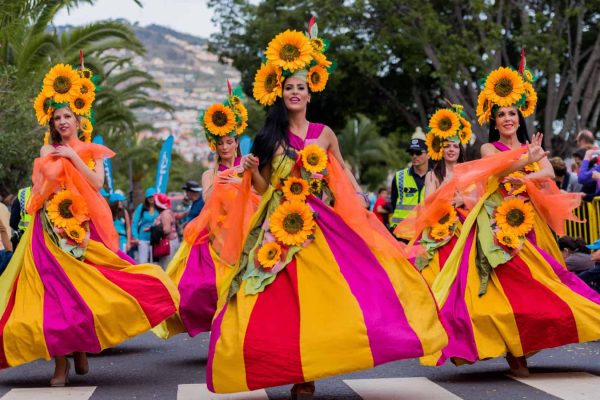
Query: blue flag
{"x": 164, "y": 165}
{"x": 245, "y": 144}
{"x": 108, "y": 170}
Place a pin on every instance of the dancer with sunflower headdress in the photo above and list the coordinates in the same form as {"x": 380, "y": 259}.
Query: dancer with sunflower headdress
{"x": 196, "y": 268}
{"x": 321, "y": 287}
{"x": 504, "y": 289}
{"x": 435, "y": 238}
{"x": 68, "y": 288}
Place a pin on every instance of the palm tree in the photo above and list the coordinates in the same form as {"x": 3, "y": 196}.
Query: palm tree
{"x": 368, "y": 154}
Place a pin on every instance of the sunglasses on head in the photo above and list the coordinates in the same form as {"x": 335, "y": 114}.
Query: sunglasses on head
{"x": 415, "y": 152}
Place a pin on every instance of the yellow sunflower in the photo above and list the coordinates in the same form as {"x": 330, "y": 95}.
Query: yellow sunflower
{"x": 321, "y": 60}
{"x": 269, "y": 254}
{"x": 317, "y": 78}
{"x": 317, "y": 44}
{"x": 295, "y": 189}
{"x": 85, "y": 126}
{"x": 88, "y": 88}
{"x": 504, "y": 87}
{"x": 219, "y": 119}
{"x": 444, "y": 123}
{"x": 240, "y": 125}
{"x": 85, "y": 73}
{"x": 528, "y": 76}
{"x": 508, "y": 186}
{"x": 66, "y": 208}
{"x": 484, "y": 108}
{"x": 292, "y": 223}
{"x": 290, "y": 50}
{"x": 81, "y": 104}
{"x": 449, "y": 218}
{"x": 62, "y": 83}
{"x": 530, "y": 100}
{"x": 75, "y": 232}
{"x": 509, "y": 239}
{"x": 435, "y": 146}
{"x": 515, "y": 216}
{"x": 439, "y": 232}
{"x": 314, "y": 158}
{"x": 315, "y": 185}
{"x": 42, "y": 108}
{"x": 267, "y": 84}
{"x": 465, "y": 133}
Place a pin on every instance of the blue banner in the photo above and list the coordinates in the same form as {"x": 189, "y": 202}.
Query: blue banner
{"x": 245, "y": 144}
{"x": 164, "y": 165}
{"x": 108, "y": 170}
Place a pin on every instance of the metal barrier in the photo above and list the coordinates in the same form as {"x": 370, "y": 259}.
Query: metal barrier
{"x": 589, "y": 230}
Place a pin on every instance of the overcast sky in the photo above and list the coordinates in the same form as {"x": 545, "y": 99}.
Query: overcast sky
{"x": 188, "y": 16}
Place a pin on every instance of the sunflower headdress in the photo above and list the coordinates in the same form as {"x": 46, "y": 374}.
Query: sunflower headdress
{"x": 293, "y": 53}
{"x": 447, "y": 124}
{"x": 229, "y": 118}
{"x": 65, "y": 86}
{"x": 505, "y": 87}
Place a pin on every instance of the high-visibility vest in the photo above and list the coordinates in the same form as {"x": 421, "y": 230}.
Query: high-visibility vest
{"x": 23, "y": 196}
{"x": 409, "y": 195}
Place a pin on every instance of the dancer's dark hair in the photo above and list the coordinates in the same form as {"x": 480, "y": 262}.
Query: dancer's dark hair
{"x": 273, "y": 134}
{"x": 439, "y": 168}
{"x": 494, "y": 134}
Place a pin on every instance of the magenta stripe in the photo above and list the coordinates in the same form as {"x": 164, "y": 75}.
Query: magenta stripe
{"x": 569, "y": 279}
{"x": 198, "y": 290}
{"x": 390, "y": 335}
{"x": 455, "y": 315}
{"x": 68, "y": 321}
{"x": 215, "y": 335}
{"x": 95, "y": 237}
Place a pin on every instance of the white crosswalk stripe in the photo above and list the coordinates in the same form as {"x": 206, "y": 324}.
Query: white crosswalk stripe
{"x": 565, "y": 385}
{"x": 418, "y": 388}
{"x": 201, "y": 392}
{"x": 48, "y": 393}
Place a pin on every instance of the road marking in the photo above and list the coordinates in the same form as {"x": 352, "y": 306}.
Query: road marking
{"x": 399, "y": 388}
{"x": 201, "y": 392}
{"x": 566, "y": 385}
{"x": 50, "y": 393}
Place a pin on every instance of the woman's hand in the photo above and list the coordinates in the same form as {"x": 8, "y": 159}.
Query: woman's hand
{"x": 596, "y": 175}
{"x": 250, "y": 162}
{"x": 223, "y": 179}
{"x": 535, "y": 152}
{"x": 64, "y": 151}
{"x": 515, "y": 181}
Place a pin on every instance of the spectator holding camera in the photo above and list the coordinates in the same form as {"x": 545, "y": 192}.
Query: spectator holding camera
{"x": 589, "y": 174}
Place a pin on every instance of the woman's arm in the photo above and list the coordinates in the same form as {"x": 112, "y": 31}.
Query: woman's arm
{"x": 535, "y": 153}
{"x": 208, "y": 178}
{"x": 95, "y": 177}
{"x": 137, "y": 214}
{"x": 166, "y": 218}
{"x": 431, "y": 183}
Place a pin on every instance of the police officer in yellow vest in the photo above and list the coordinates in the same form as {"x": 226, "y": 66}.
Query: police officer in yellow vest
{"x": 408, "y": 184}
{"x": 19, "y": 219}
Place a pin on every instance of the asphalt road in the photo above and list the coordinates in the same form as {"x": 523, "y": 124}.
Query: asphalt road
{"x": 149, "y": 368}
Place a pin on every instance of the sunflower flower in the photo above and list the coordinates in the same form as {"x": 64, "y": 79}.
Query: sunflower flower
{"x": 515, "y": 216}
{"x": 314, "y": 158}
{"x": 66, "y": 208}
{"x": 81, "y": 104}
{"x": 269, "y": 255}
{"x": 62, "y": 83}
{"x": 435, "y": 146}
{"x": 509, "y": 187}
{"x": 219, "y": 119}
{"x": 466, "y": 131}
{"x": 317, "y": 78}
{"x": 530, "y": 100}
{"x": 86, "y": 126}
{"x": 292, "y": 223}
{"x": 321, "y": 60}
{"x": 315, "y": 185}
{"x": 439, "y": 232}
{"x": 295, "y": 189}
{"x": 508, "y": 239}
{"x": 75, "y": 232}
{"x": 444, "y": 123}
{"x": 267, "y": 84}
{"x": 88, "y": 88}
{"x": 290, "y": 50}
{"x": 43, "y": 110}
{"x": 484, "y": 108}
{"x": 504, "y": 87}
{"x": 317, "y": 44}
